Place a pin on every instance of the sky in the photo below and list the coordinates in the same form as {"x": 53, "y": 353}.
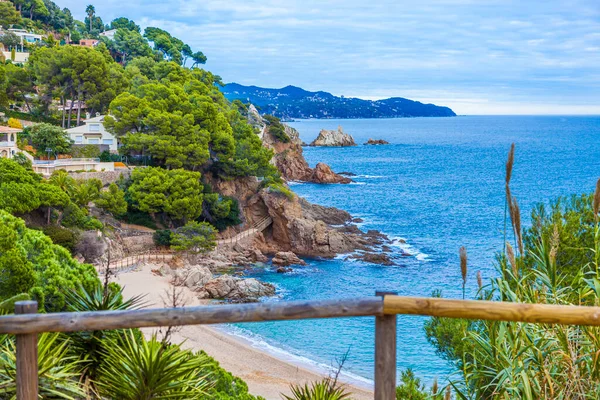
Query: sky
{"x": 475, "y": 56}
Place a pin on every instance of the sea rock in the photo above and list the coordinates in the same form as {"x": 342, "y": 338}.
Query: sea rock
{"x": 232, "y": 288}
{"x": 336, "y": 138}
{"x": 376, "y": 142}
{"x": 346, "y": 173}
{"x": 374, "y": 258}
{"x": 329, "y": 215}
{"x": 285, "y": 258}
{"x": 283, "y": 270}
{"x": 197, "y": 276}
{"x": 323, "y": 174}
{"x": 257, "y": 256}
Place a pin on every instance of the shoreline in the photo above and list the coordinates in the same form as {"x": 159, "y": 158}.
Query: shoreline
{"x": 266, "y": 374}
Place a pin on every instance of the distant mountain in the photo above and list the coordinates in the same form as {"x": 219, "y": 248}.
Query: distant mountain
{"x": 294, "y": 102}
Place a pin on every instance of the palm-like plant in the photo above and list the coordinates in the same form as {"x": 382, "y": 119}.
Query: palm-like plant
{"x": 140, "y": 369}
{"x": 89, "y": 346}
{"x": 327, "y": 389}
{"x": 90, "y": 10}
{"x": 58, "y": 372}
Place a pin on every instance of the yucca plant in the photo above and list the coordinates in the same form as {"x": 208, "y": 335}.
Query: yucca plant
{"x": 138, "y": 369}
{"x": 327, "y": 389}
{"x": 58, "y": 371}
{"x": 89, "y": 346}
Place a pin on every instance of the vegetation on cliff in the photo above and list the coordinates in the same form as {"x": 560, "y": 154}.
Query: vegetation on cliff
{"x": 554, "y": 262}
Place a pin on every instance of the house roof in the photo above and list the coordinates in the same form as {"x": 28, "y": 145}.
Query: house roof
{"x": 99, "y": 118}
{"x": 8, "y": 129}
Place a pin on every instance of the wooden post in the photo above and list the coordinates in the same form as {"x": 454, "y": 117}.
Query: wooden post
{"x": 27, "y": 356}
{"x": 385, "y": 354}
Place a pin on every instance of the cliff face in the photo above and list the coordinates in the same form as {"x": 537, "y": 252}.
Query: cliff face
{"x": 337, "y": 138}
{"x": 289, "y": 158}
{"x": 298, "y": 226}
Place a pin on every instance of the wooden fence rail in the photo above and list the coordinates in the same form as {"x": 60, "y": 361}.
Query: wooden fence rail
{"x": 384, "y": 306}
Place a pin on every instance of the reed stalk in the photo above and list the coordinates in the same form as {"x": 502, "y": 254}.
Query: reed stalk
{"x": 479, "y": 280}
{"x": 463, "y": 268}
{"x": 509, "y": 167}
{"x": 448, "y": 395}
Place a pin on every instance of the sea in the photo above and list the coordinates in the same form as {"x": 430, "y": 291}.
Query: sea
{"x": 437, "y": 186}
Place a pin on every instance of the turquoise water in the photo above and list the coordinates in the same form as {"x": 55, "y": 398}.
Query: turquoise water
{"x": 439, "y": 185}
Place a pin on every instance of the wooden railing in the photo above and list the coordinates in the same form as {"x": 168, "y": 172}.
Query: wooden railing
{"x": 256, "y": 228}
{"x": 134, "y": 260}
{"x": 385, "y": 307}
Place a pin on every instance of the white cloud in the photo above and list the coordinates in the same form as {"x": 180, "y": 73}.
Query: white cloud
{"x": 478, "y": 56}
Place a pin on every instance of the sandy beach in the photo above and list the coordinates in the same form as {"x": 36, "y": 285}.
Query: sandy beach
{"x": 265, "y": 374}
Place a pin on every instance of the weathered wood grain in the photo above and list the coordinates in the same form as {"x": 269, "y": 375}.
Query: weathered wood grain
{"x": 100, "y": 320}
{"x": 493, "y": 310}
{"x": 27, "y": 356}
{"x": 385, "y": 354}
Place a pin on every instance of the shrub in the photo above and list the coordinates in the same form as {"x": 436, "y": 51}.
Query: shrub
{"x": 224, "y": 386}
{"x": 58, "y": 371}
{"x": 162, "y": 237}
{"x": 276, "y": 128}
{"x": 15, "y": 123}
{"x": 327, "y": 389}
{"x": 107, "y": 156}
{"x": 198, "y": 237}
{"x": 112, "y": 201}
{"x": 85, "y": 151}
{"x": 31, "y": 263}
{"x": 61, "y": 236}
{"x": 136, "y": 217}
{"x": 411, "y": 387}
{"x": 136, "y": 368}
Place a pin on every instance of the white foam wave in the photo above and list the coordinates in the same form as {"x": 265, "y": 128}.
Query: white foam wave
{"x": 401, "y": 243}
{"x": 368, "y": 176}
{"x": 357, "y": 183}
{"x": 259, "y": 343}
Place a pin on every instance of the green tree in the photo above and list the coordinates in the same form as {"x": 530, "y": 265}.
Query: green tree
{"x": 178, "y": 193}
{"x": 124, "y": 23}
{"x": 90, "y": 10}
{"x": 10, "y": 40}
{"x": 30, "y": 262}
{"x": 70, "y": 72}
{"x": 8, "y": 14}
{"x": 157, "y": 119}
{"x": 37, "y": 8}
{"x": 112, "y": 201}
{"x": 198, "y": 237}
{"x": 85, "y": 191}
{"x": 131, "y": 44}
{"x": 20, "y": 83}
{"x": 199, "y": 58}
{"x": 411, "y": 387}
{"x": 45, "y": 136}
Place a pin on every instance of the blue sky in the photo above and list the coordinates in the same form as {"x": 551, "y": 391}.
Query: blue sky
{"x": 478, "y": 57}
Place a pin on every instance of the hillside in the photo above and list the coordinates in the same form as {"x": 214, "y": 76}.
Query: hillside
{"x": 294, "y": 102}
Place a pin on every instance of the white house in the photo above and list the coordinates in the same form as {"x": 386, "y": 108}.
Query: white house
{"x": 93, "y": 132}
{"x": 110, "y": 34}
{"x": 26, "y": 36}
{"x": 8, "y": 141}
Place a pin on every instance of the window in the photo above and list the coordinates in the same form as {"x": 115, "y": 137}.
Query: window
{"x": 107, "y": 141}
{"x": 94, "y": 128}
{"x": 94, "y": 141}
{"x": 78, "y": 139}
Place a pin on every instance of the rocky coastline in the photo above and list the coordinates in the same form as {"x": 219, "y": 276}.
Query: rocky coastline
{"x": 298, "y": 229}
